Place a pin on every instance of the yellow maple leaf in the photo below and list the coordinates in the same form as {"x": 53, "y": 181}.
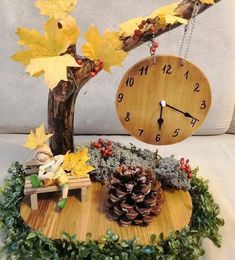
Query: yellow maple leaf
{"x": 56, "y": 8}
{"x": 38, "y": 138}
{"x": 165, "y": 14}
{"x": 76, "y": 163}
{"x": 127, "y": 28}
{"x": 55, "y": 68}
{"x": 52, "y": 43}
{"x": 209, "y": 2}
{"x": 69, "y": 29}
{"x": 46, "y": 49}
{"x": 106, "y": 47}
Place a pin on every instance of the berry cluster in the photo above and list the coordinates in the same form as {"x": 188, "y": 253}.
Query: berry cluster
{"x": 184, "y": 166}
{"x": 105, "y": 147}
{"x": 145, "y": 26}
{"x": 98, "y": 67}
{"x": 79, "y": 60}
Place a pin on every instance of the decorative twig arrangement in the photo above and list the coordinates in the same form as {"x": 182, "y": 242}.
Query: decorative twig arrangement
{"x": 66, "y": 72}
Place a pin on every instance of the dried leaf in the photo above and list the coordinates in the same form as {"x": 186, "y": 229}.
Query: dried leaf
{"x": 52, "y": 43}
{"x": 56, "y": 8}
{"x": 106, "y": 47}
{"x": 209, "y": 2}
{"x": 166, "y": 15}
{"x": 76, "y": 163}
{"x": 55, "y": 68}
{"x": 46, "y": 49}
{"x": 38, "y": 138}
{"x": 69, "y": 29}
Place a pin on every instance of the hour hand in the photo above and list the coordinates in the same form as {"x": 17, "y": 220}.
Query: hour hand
{"x": 161, "y": 120}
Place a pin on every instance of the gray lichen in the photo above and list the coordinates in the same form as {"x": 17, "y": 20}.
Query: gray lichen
{"x": 167, "y": 169}
{"x": 170, "y": 175}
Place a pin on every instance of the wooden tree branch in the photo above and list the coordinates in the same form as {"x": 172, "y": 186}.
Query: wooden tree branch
{"x": 61, "y": 101}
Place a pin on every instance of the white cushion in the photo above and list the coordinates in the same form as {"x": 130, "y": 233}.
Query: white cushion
{"x": 23, "y": 100}
{"x": 231, "y": 129}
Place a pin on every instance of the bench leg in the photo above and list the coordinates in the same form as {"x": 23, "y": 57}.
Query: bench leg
{"x": 34, "y": 201}
{"x": 83, "y": 193}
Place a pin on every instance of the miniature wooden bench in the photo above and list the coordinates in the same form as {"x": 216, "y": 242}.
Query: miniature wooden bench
{"x": 74, "y": 184}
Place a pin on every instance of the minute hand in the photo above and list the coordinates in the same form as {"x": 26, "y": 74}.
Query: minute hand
{"x": 186, "y": 114}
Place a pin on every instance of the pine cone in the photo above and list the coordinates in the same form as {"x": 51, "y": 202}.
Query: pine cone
{"x": 134, "y": 196}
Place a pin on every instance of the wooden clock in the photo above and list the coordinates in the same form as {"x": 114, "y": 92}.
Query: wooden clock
{"x": 165, "y": 102}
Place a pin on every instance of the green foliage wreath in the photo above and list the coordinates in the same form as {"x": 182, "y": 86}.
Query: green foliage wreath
{"x": 21, "y": 243}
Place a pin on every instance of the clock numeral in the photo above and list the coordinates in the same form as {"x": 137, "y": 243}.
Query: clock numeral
{"x": 127, "y": 118}
{"x": 141, "y": 131}
{"x": 120, "y": 97}
{"x": 130, "y": 82}
{"x": 186, "y": 74}
{"x": 203, "y": 104}
{"x": 144, "y": 70}
{"x": 167, "y": 69}
{"x": 197, "y": 87}
{"x": 176, "y": 133}
{"x": 194, "y": 121}
{"x": 158, "y": 138}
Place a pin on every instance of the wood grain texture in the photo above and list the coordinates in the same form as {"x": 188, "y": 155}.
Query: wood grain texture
{"x": 144, "y": 85}
{"x": 82, "y": 217}
{"x": 74, "y": 183}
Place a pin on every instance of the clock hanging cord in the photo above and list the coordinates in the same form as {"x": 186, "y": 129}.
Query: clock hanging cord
{"x": 191, "y": 23}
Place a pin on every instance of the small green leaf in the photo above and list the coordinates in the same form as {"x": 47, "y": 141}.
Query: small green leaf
{"x": 31, "y": 235}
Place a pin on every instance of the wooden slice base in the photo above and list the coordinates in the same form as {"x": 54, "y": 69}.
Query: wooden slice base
{"x": 82, "y": 217}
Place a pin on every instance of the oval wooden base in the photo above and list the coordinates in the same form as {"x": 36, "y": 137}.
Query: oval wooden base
{"x": 82, "y": 217}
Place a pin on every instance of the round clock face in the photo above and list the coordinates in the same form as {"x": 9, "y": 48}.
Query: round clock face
{"x": 163, "y": 103}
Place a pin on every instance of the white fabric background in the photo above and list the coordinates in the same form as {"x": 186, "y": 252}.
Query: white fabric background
{"x": 23, "y": 100}
{"x": 231, "y": 129}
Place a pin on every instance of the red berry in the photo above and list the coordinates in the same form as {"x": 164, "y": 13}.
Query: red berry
{"x": 182, "y": 160}
{"x": 143, "y": 22}
{"x": 155, "y": 44}
{"x": 190, "y": 175}
{"x": 152, "y": 49}
{"x": 99, "y": 145}
{"x": 103, "y": 149}
{"x": 92, "y": 74}
{"x": 182, "y": 167}
{"x": 138, "y": 32}
{"x": 109, "y": 142}
{"x": 79, "y": 61}
{"x": 100, "y": 140}
{"x": 96, "y": 68}
{"x": 152, "y": 29}
{"x": 101, "y": 62}
{"x": 141, "y": 26}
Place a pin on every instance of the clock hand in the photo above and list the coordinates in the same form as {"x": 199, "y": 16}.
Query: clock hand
{"x": 186, "y": 114}
{"x": 161, "y": 120}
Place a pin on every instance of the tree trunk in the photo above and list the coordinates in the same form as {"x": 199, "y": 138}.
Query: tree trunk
{"x": 61, "y": 107}
{"x": 61, "y": 101}
{"x": 61, "y": 117}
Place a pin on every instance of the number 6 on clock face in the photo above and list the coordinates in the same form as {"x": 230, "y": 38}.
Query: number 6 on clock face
{"x": 163, "y": 103}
